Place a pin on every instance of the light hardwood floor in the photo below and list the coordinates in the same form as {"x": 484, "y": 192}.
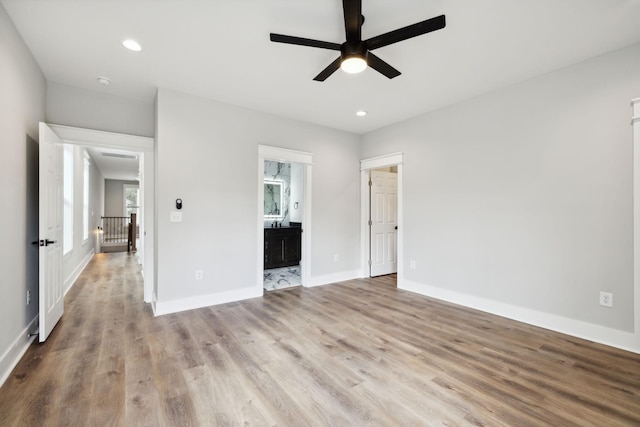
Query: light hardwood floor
{"x": 354, "y": 353}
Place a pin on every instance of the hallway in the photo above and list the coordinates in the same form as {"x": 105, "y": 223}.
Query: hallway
{"x": 355, "y": 353}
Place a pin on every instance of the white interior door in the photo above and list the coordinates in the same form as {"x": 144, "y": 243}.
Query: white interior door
{"x": 50, "y": 233}
{"x": 384, "y": 222}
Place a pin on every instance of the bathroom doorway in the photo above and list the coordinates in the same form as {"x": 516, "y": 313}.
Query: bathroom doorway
{"x": 283, "y": 205}
{"x": 285, "y": 220}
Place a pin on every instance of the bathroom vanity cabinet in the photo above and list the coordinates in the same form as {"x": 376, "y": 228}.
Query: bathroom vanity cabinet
{"x": 282, "y": 246}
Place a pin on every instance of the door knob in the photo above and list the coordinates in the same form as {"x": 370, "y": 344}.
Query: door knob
{"x": 49, "y": 242}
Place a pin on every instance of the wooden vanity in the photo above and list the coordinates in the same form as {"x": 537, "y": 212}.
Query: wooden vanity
{"x": 282, "y": 246}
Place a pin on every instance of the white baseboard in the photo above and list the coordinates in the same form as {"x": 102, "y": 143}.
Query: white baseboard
{"x": 16, "y": 350}
{"x": 612, "y": 337}
{"x": 69, "y": 281}
{"x": 333, "y": 278}
{"x": 174, "y": 306}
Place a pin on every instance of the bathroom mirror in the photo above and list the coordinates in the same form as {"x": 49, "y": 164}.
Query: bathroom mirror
{"x": 273, "y": 199}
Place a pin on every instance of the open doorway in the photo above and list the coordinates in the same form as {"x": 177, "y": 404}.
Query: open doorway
{"x": 119, "y": 230}
{"x": 284, "y": 217}
{"x": 383, "y": 221}
{"x": 118, "y": 145}
{"x": 381, "y": 215}
{"x": 283, "y": 220}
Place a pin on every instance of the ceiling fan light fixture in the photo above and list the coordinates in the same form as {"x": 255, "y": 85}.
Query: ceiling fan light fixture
{"x": 353, "y": 64}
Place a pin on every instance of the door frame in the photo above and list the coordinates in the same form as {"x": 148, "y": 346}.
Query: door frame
{"x": 382, "y": 268}
{"x": 285, "y": 155}
{"x": 145, "y": 147}
{"x": 366, "y": 165}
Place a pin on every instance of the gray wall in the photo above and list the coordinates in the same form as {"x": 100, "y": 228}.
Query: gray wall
{"x": 82, "y": 108}
{"x": 22, "y": 106}
{"x": 219, "y": 190}
{"x": 524, "y": 196}
{"x": 113, "y": 196}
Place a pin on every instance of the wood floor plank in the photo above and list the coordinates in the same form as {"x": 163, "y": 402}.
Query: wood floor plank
{"x": 356, "y": 353}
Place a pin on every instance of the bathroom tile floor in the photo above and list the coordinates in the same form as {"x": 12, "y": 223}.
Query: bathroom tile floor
{"x": 281, "y": 278}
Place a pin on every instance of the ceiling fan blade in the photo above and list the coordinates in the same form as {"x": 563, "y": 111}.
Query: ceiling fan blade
{"x": 332, "y": 68}
{"x": 352, "y": 20}
{"x": 407, "y": 32}
{"x": 280, "y": 38}
{"x": 382, "y": 67}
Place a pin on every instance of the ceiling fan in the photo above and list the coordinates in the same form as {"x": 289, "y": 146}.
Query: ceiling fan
{"x": 355, "y": 53}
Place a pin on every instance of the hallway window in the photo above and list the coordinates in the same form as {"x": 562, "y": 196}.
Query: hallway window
{"x": 85, "y": 201}
{"x": 67, "y": 239}
{"x": 131, "y": 203}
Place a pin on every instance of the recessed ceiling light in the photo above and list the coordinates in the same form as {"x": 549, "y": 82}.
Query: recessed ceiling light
{"x": 132, "y": 45}
{"x": 361, "y": 113}
{"x": 104, "y": 81}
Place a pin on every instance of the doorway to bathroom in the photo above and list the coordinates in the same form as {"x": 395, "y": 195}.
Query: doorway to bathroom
{"x": 283, "y": 196}
{"x": 285, "y": 218}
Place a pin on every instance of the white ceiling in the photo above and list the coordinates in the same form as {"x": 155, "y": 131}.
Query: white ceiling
{"x": 116, "y": 164}
{"x": 220, "y": 49}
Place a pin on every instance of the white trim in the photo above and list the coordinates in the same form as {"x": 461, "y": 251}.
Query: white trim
{"x": 636, "y": 221}
{"x": 260, "y": 245}
{"x": 277, "y": 154}
{"x": 166, "y": 307}
{"x": 98, "y": 138}
{"x": 589, "y": 331}
{"x": 394, "y": 159}
{"x": 381, "y": 161}
{"x": 145, "y": 146}
{"x": 266, "y": 152}
{"x": 327, "y": 279}
{"x": 364, "y": 223}
{"x": 16, "y": 350}
{"x": 71, "y": 279}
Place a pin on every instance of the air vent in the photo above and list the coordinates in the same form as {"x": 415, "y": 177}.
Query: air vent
{"x": 121, "y": 156}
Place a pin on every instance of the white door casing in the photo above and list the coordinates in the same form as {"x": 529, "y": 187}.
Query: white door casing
{"x": 145, "y": 147}
{"x": 51, "y": 286}
{"x": 384, "y": 222}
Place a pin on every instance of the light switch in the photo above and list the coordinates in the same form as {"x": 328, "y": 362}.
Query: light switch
{"x": 175, "y": 216}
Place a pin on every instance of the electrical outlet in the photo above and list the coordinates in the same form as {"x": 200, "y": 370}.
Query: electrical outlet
{"x": 336, "y": 258}
{"x": 606, "y": 299}
{"x": 199, "y": 274}
{"x": 412, "y": 264}
{"x": 28, "y": 297}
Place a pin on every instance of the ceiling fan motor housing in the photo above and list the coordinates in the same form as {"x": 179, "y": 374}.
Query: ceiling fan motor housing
{"x": 349, "y": 50}
{"x": 354, "y": 52}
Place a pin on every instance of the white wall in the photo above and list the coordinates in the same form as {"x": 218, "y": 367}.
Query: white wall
{"x": 207, "y": 154}
{"x": 22, "y": 106}
{"x": 82, "y": 108}
{"x": 74, "y": 262}
{"x": 523, "y": 197}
